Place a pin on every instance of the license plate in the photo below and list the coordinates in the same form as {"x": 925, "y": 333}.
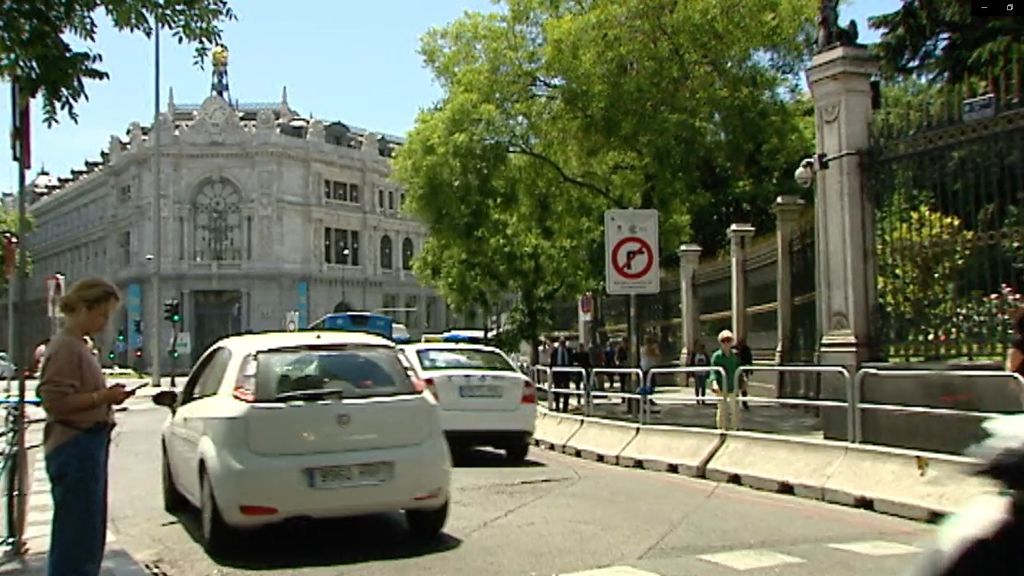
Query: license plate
{"x": 480, "y": 391}
{"x": 353, "y": 475}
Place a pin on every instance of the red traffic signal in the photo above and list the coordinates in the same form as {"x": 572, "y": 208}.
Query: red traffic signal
{"x": 138, "y": 352}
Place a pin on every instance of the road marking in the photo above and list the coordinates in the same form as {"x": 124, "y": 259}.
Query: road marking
{"x": 750, "y": 559}
{"x": 876, "y": 548}
{"x": 612, "y": 571}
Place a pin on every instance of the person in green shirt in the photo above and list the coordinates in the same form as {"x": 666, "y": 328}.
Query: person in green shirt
{"x": 728, "y": 417}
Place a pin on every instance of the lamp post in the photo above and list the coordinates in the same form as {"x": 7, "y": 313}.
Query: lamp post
{"x": 154, "y": 344}
{"x": 345, "y": 252}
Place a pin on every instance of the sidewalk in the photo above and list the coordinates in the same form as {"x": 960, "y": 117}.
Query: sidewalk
{"x": 117, "y": 561}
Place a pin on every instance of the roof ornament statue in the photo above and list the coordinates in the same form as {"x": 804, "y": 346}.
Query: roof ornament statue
{"x": 830, "y": 34}
{"x": 219, "y": 84}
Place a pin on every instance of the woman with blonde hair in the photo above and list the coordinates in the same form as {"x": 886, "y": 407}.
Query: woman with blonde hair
{"x": 79, "y": 420}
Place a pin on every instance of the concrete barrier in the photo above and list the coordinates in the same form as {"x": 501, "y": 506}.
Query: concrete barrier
{"x": 777, "y": 464}
{"x": 602, "y": 440}
{"x": 672, "y": 449}
{"x": 554, "y": 430}
{"x": 911, "y": 484}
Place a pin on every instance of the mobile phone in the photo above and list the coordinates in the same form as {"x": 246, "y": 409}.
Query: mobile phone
{"x": 137, "y": 386}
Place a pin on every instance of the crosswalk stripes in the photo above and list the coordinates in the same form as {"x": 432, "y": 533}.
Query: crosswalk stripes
{"x": 753, "y": 559}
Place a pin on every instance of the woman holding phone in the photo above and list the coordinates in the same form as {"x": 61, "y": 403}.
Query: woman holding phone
{"x": 79, "y": 420}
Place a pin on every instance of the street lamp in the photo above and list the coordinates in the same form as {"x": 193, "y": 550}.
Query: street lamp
{"x": 345, "y": 252}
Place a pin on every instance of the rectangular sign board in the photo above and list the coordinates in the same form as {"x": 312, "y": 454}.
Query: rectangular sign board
{"x": 631, "y": 252}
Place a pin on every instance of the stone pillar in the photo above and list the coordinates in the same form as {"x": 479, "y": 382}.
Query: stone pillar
{"x": 787, "y": 212}
{"x": 840, "y": 83}
{"x": 739, "y": 236}
{"x": 689, "y": 259}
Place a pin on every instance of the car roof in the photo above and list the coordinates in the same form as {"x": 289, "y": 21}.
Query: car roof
{"x": 272, "y": 340}
{"x": 448, "y": 346}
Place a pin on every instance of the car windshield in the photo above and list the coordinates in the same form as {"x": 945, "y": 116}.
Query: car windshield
{"x": 349, "y": 372}
{"x": 469, "y": 358}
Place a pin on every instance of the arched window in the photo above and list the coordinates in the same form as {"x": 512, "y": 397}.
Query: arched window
{"x": 217, "y": 221}
{"x": 407, "y": 254}
{"x": 385, "y": 253}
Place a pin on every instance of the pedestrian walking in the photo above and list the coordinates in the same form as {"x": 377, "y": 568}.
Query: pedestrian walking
{"x": 79, "y": 420}
{"x": 728, "y": 416}
{"x": 700, "y": 379}
{"x": 561, "y": 357}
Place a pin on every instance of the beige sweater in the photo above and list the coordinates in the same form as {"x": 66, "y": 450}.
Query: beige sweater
{"x": 69, "y": 367}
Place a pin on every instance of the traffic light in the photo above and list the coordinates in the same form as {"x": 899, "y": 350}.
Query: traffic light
{"x": 174, "y": 353}
{"x": 111, "y": 356}
{"x": 120, "y": 336}
{"x": 172, "y": 311}
{"x": 138, "y": 326}
{"x": 138, "y": 352}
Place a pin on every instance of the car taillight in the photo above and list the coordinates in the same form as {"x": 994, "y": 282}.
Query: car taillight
{"x": 245, "y": 386}
{"x": 529, "y": 393}
{"x": 426, "y": 384}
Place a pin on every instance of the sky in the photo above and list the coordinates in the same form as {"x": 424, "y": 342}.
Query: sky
{"x": 355, "y": 62}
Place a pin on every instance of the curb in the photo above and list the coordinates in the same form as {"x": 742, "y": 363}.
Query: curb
{"x": 920, "y": 486}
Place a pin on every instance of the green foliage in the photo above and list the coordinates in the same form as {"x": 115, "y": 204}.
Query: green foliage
{"x": 940, "y": 39}
{"x": 34, "y": 40}
{"x": 921, "y": 254}
{"x": 554, "y": 111}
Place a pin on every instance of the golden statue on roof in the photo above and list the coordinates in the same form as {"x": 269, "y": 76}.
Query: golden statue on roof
{"x": 220, "y": 56}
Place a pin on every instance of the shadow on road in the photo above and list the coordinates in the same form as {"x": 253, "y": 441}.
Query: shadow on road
{"x": 319, "y": 543}
{"x": 483, "y": 458}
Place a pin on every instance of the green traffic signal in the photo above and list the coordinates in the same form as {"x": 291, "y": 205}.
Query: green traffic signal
{"x": 120, "y": 336}
{"x": 111, "y": 355}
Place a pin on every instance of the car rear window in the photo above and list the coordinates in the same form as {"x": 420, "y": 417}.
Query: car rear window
{"x": 471, "y": 359}
{"x": 352, "y": 371}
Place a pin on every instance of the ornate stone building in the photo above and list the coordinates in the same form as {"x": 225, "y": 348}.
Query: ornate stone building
{"x": 263, "y": 211}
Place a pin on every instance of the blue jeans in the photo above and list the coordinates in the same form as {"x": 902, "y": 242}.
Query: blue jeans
{"x": 78, "y": 478}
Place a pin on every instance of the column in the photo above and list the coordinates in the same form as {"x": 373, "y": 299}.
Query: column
{"x": 739, "y": 237}
{"x": 689, "y": 259}
{"x": 787, "y": 212}
{"x": 839, "y": 80}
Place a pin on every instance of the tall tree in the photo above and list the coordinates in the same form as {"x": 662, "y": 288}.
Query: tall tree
{"x": 35, "y": 46}
{"x": 554, "y": 111}
{"x": 940, "y": 39}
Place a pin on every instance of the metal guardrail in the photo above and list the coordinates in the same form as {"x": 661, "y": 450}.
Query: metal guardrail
{"x": 858, "y": 383}
{"x": 851, "y": 396}
{"x": 552, "y": 390}
{"x": 681, "y": 370}
{"x": 632, "y": 372}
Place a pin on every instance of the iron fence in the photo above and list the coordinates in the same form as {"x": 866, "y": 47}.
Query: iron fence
{"x": 948, "y": 194}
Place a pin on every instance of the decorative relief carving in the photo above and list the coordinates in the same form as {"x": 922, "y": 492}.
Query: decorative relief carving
{"x": 264, "y": 121}
{"x": 839, "y": 321}
{"x": 830, "y": 112}
{"x": 371, "y": 143}
{"x": 215, "y": 122}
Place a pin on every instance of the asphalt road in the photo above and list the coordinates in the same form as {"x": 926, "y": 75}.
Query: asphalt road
{"x": 554, "y": 515}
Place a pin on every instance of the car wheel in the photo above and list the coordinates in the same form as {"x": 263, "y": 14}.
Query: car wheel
{"x": 173, "y": 500}
{"x": 216, "y": 534}
{"x": 427, "y": 524}
{"x": 517, "y": 452}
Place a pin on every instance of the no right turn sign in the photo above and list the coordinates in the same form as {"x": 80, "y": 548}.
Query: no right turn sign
{"x": 631, "y": 252}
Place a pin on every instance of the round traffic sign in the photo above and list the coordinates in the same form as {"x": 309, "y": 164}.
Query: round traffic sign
{"x": 626, "y": 252}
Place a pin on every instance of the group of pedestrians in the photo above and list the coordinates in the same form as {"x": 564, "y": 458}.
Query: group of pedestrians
{"x": 564, "y": 355}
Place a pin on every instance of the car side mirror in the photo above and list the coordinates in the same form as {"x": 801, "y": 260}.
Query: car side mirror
{"x": 166, "y": 398}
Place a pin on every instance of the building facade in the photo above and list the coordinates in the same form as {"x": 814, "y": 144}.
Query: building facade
{"x": 262, "y": 212}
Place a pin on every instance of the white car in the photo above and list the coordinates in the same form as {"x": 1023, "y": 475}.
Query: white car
{"x": 279, "y": 426}
{"x": 484, "y": 400}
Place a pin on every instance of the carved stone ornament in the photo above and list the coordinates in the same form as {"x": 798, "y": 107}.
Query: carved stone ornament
{"x": 840, "y": 321}
{"x": 370, "y": 143}
{"x": 114, "y": 148}
{"x": 830, "y": 111}
{"x": 215, "y": 122}
{"x": 136, "y": 136}
{"x": 264, "y": 121}
{"x": 316, "y": 131}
